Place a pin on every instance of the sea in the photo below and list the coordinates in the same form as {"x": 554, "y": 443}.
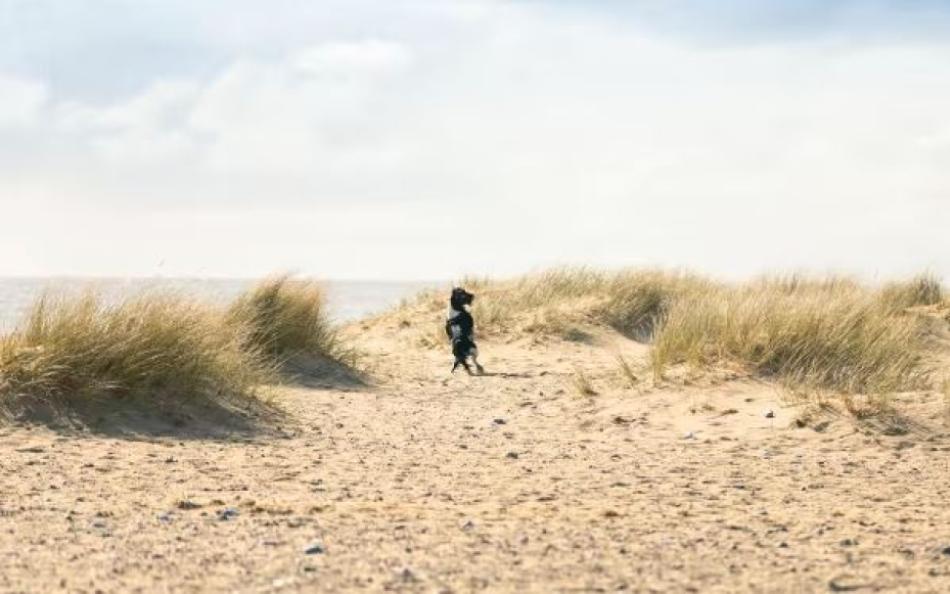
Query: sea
{"x": 346, "y": 300}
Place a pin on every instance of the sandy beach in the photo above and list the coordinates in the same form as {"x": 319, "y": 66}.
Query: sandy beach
{"x": 512, "y": 482}
{"x": 699, "y": 247}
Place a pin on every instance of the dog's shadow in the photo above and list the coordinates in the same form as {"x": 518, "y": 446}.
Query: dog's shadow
{"x": 505, "y": 374}
{"x": 322, "y": 373}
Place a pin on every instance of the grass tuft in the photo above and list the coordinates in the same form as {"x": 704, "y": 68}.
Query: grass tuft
{"x": 582, "y": 383}
{"x": 635, "y": 301}
{"x": 150, "y": 344}
{"x": 826, "y": 335}
{"x": 286, "y": 317}
{"x": 626, "y": 370}
{"x": 923, "y": 289}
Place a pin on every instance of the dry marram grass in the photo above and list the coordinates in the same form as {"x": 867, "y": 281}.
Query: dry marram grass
{"x": 76, "y": 347}
{"x": 163, "y": 344}
{"x": 923, "y": 289}
{"x": 582, "y": 383}
{"x": 286, "y": 317}
{"x": 831, "y": 333}
{"x": 822, "y": 335}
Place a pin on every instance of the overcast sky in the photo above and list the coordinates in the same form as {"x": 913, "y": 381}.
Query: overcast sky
{"x": 428, "y": 139}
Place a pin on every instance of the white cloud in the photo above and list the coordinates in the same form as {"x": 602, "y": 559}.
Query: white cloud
{"x": 524, "y": 138}
{"x": 352, "y": 59}
{"x": 20, "y": 101}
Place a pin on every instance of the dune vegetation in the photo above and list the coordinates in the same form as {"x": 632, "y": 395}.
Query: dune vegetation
{"x": 147, "y": 345}
{"x": 287, "y": 317}
{"x": 824, "y": 333}
{"x": 828, "y": 334}
{"x": 76, "y": 347}
{"x": 564, "y": 301}
{"x": 923, "y": 289}
{"x": 831, "y": 333}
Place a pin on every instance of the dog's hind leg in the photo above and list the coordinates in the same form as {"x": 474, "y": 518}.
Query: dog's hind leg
{"x": 474, "y": 355}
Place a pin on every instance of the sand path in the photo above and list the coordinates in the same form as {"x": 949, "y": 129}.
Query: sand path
{"x": 509, "y": 482}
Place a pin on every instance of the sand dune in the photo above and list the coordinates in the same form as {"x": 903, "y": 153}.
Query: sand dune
{"x": 425, "y": 482}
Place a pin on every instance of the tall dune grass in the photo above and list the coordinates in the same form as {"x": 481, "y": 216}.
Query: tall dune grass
{"x": 924, "y": 289}
{"x": 833, "y": 332}
{"x": 823, "y": 335}
{"x": 286, "y": 317}
{"x": 76, "y": 347}
{"x": 636, "y": 301}
{"x": 553, "y": 301}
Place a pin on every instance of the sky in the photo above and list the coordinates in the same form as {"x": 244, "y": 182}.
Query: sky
{"x": 429, "y": 139}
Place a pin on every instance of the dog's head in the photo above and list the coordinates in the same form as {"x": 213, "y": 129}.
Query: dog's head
{"x": 460, "y": 298}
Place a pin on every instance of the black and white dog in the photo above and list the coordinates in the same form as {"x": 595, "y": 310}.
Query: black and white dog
{"x": 460, "y": 327}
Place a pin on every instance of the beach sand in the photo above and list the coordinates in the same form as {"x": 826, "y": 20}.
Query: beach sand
{"x": 511, "y": 482}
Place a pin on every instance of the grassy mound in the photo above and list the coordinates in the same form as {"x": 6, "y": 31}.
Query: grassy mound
{"x": 630, "y": 301}
{"x": 286, "y": 317}
{"x": 826, "y": 335}
{"x": 561, "y": 302}
{"x": 832, "y": 333}
{"x": 147, "y": 345}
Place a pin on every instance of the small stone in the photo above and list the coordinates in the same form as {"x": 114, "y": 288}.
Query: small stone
{"x": 500, "y": 421}
{"x": 689, "y": 435}
{"x": 227, "y": 513}
{"x": 314, "y": 549}
{"x": 187, "y": 504}
{"x": 512, "y": 455}
{"x": 770, "y": 414}
{"x": 845, "y": 583}
{"x": 849, "y": 542}
{"x": 32, "y": 450}
{"x": 468, "y": 526}
{"x": 945, "y": 551}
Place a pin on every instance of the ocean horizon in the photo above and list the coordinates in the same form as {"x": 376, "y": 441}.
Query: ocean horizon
{"x": 347, "y": 300}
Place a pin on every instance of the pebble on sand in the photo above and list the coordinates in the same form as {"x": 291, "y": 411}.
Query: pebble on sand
{"x": 227, "y": 514}
{"x": 314, "y": 549}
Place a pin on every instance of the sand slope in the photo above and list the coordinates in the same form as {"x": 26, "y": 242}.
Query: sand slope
{"x": 504, "y": 483}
